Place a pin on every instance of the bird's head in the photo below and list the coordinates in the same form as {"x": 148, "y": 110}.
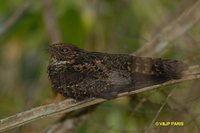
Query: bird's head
{"x": 64, "y": 52}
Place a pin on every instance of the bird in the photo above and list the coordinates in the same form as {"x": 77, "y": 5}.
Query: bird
{"x": 80, "y": 74}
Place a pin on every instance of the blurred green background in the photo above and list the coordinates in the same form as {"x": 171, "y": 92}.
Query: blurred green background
{"x": 114, "y": 26}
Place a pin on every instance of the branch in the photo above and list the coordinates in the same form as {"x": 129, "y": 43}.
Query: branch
{"x": 172, "y": 31}
{"x": 16, "y": 16}
{"x": 157, "y": 114}
{"x": 69, "y": 105}
{"x": 51, "y": 22}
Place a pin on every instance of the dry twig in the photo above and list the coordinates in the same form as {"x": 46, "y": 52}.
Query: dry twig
{"x": 13, "y": 19}
{"x": 50, "y": 22}
{"x": 172, "y": 31}
{"x": 157, "y": 114}
{"x": 69, "y": 105}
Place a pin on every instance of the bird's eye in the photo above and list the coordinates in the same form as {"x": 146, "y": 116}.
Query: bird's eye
{"x": 65, "y": 50}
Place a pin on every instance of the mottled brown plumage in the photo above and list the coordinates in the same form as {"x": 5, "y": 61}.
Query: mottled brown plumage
{"x": 80, "y": 74}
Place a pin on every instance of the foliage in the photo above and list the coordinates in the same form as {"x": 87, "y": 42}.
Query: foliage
{"x": 115, "y": 26}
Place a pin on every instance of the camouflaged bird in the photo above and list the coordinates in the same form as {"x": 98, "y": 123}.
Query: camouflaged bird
{"x": 80, "y": 74}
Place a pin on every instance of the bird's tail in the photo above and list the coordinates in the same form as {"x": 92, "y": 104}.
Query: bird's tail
{"x": 172, "y": 69}
{"x": 148, "y": 71}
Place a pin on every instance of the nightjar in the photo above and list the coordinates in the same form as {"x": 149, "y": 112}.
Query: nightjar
{"x": 80, "y": 74}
